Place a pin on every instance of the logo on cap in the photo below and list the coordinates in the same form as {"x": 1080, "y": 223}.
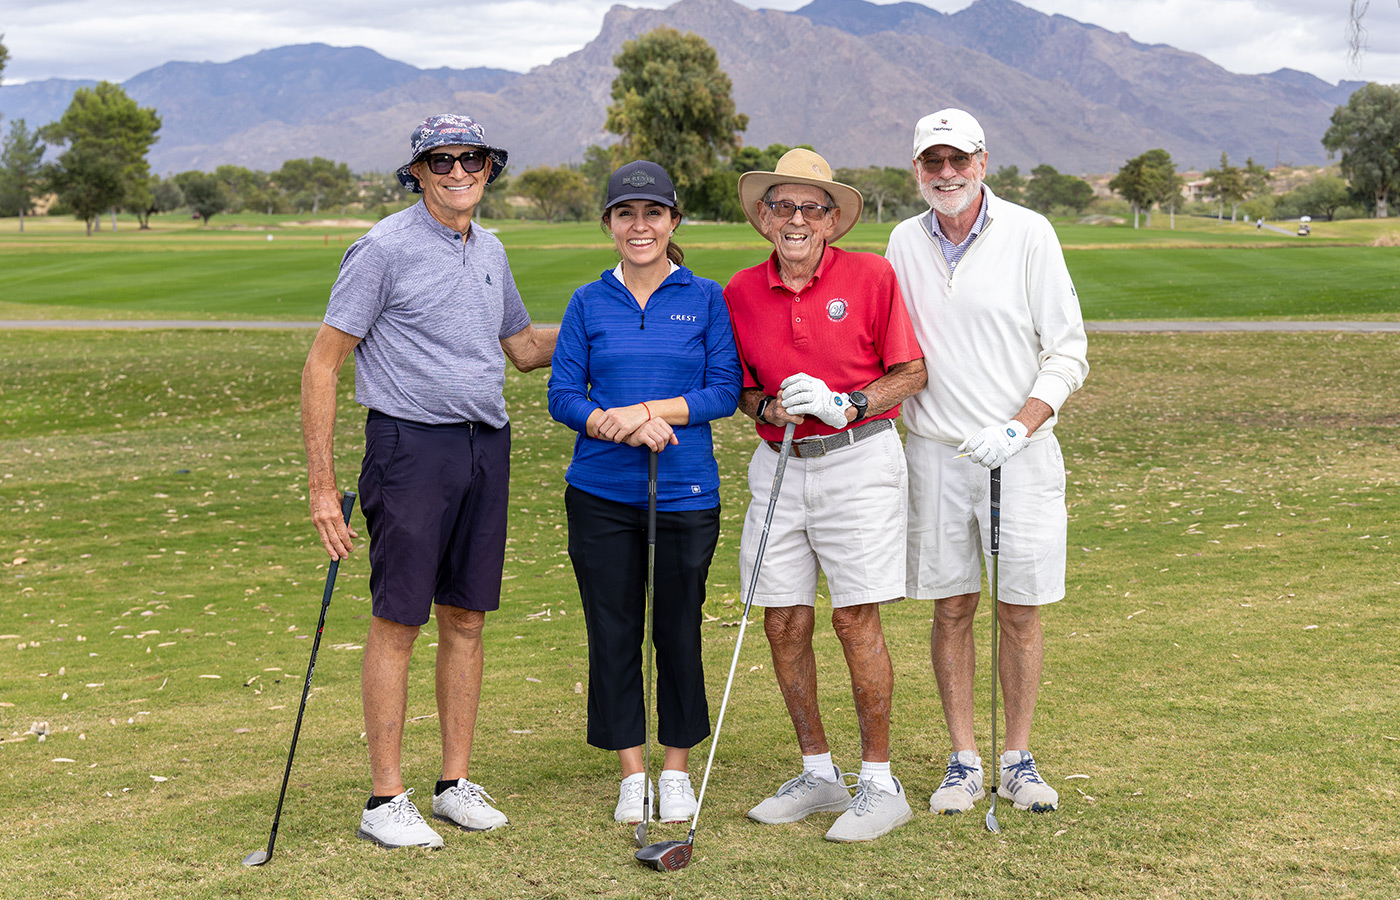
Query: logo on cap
{"x": 638, "y": 178}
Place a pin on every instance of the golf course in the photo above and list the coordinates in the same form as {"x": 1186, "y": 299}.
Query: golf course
{"x": 1219, "y": 709}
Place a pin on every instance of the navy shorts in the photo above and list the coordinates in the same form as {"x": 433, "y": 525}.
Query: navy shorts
{"x": 434, "y": 498}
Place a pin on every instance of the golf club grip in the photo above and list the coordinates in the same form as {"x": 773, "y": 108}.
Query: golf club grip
{"x": 651, "y": 496}
{"x": 996, "y": 510}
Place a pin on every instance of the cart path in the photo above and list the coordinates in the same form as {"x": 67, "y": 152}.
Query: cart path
{"x": 1100, "y": 326}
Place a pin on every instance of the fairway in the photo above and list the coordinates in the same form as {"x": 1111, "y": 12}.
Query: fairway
{"x": 1218, "y": 710}
{"x": 1200, "y": 270}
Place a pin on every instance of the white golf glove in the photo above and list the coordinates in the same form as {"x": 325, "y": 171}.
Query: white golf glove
{"x": 995, "y": 444}
{"x": 804, "y": 395}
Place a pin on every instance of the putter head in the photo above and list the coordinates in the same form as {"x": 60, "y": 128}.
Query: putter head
{"x": 256, "y": 858}
{"x": 666, "y": 856}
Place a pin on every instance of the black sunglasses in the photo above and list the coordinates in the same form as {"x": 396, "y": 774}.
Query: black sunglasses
{"x": 441, "y": 163}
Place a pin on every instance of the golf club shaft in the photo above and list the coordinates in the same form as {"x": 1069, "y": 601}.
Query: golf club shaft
{"x": 347, "y": 504}
{"x": 647, "y": 627}
{"x": 996, "y": 553}
{"x": 744, "y": 618}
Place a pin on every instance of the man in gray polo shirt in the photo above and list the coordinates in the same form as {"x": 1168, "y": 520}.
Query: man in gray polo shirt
{"x": 428, "y": 305}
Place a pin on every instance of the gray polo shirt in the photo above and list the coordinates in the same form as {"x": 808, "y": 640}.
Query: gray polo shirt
{"x": 431, "y": 311}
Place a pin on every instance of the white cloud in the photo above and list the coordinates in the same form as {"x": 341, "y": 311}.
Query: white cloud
{"x": 117, "y": 39}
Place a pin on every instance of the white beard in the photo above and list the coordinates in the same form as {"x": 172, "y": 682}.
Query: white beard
{"x": 954, "y": 204}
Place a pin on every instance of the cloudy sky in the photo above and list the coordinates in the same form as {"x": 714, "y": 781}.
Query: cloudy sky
{"x": 116, "y": 39}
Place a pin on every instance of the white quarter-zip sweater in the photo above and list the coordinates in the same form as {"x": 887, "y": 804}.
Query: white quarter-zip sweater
{"x": 1003, "y": 327}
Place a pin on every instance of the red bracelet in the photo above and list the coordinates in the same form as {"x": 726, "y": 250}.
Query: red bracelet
{"x": 648, "y": 409}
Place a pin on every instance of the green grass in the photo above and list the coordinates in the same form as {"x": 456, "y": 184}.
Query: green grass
{"x": 1222, "y": 670}
{"x": 1201, "y": 270}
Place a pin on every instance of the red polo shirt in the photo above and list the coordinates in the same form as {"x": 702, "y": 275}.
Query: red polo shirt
{"x": 847, "y": 326}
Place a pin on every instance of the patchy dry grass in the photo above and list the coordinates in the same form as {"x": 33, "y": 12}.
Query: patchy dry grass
{"x": 1223, "y": 670}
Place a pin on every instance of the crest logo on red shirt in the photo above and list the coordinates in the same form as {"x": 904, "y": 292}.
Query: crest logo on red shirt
{"x": 836, "y": 310}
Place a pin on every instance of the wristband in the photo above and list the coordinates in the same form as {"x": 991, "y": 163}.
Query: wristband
{"x": 648, "y": 409}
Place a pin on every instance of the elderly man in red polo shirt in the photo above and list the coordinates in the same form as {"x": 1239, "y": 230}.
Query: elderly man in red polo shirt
{"x": 826, "y": 343}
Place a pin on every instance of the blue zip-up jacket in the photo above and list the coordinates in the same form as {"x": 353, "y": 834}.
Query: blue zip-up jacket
{"x": 611, "y": 352}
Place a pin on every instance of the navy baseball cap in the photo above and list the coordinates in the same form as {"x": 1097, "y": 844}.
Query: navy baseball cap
{"x": 640, "y": 180}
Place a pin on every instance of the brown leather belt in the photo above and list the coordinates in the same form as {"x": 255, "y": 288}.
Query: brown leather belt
{"x": 808, "y": 448}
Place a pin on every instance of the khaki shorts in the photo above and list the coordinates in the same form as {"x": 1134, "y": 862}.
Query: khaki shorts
{"x": 842, "y": 514}
{"x": 949, "y": 523}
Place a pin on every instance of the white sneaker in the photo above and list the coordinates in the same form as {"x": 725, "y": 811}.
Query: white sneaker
{"x": 629, "y": 800}
{"x": 468, "y": 806}
{"x": 677, "y": 797}
{"x": 962, "y": 784}
{"x": 397, "y": 824}
{"x": 873, "y": 812}
{"x": 1022, "y": 784}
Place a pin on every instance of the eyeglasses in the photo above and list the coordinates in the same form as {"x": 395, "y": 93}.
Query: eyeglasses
{"x": 786, "y": 209}
{"x": 441, "y": 163}
{"x": 959, "y": 161}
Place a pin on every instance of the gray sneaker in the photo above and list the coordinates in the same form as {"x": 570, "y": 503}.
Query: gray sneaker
{"x": 871, "y": 813}
{"x": 799, "y": 798}
{"x": 1022, "y": 784}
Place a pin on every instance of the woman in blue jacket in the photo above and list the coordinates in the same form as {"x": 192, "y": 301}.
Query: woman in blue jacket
{"x": 645, "y": 360}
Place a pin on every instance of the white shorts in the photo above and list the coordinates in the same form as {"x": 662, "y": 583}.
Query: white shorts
{"x": 842, "y": 514}
{"x": 950, "y": 531}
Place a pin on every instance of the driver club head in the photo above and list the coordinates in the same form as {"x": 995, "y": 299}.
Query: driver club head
{"x": 666, "y": 856}
{"x": 256, "y": 858}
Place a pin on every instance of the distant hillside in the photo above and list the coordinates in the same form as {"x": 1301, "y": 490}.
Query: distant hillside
{"x": 1048, "y": 89}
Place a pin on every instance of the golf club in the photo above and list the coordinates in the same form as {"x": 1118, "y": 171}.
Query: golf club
{"x": 641, "y": 835}
{"x": 259, "y": 857}
{"x": 667, "y": 856}
{"x": 992, "y": 825}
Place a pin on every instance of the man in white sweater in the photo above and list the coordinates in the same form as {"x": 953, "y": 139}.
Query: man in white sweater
{"x": 997, "y": 316}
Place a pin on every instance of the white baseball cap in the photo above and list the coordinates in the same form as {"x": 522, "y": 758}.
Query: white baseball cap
{"x": 953, "y": 127}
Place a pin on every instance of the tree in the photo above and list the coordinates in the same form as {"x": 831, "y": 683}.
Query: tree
{"x": 1049, "y": 190}
{"x": 556, "y": 190}
{"x": 166, "y": 195}
{"x": 87, "y": 180}
{"x": 1366, "y": 131}
{"x": 1228, "y": 185}
{"x": 204, "y": 194}
{"x": 311, "y": 182}
{"x": 1320, "y": 198}
{"x": 4, "y": 56}
{"x": 672, "y": 105}
{"x": 1147, "y": 180}
{"x": 253, "y": 189}
{"x": 104, "y": 122}
{"x": 20, "y": 169}
{"x": 879, "y": 185}
{"x": 1008, "y": 184}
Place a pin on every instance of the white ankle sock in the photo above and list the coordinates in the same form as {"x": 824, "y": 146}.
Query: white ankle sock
{"x": 878, "y": 774}
{"x": 820, "y": 766}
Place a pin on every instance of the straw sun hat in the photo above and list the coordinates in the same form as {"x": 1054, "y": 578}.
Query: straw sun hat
{"x": 801, "y": 166}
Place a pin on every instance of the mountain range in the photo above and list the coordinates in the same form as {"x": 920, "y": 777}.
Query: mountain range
{"x": 848, "y": 77}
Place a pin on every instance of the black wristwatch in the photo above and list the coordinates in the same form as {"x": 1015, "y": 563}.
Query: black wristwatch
{"x": 763, "y": 407}
{"x": 860, "y": 402}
